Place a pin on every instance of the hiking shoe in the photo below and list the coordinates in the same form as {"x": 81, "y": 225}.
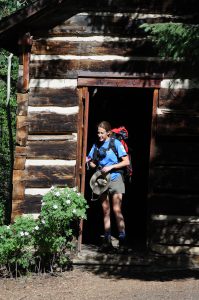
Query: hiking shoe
{"x": 106, "y": 246}
{"x": 123, "y": 247}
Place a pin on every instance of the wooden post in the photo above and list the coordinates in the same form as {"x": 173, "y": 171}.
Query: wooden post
{"x": 25, "y": 43}
{"x": 83, "y": 132}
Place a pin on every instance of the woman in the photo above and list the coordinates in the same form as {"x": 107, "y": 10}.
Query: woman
{"x": 108, "y": 162}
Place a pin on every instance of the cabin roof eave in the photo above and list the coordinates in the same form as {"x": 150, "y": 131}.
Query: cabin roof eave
{"x": 12, "y": 25}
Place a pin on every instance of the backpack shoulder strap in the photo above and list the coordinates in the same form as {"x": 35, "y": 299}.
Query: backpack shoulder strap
{"x": 112, "y": 145}
{"x": 96, "y": 153}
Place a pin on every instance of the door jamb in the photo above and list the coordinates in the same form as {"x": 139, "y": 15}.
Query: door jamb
{"x": 83, "y": 83}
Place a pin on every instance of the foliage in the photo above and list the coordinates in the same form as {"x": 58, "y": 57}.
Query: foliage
{"x": 9, "y": 6}
{"x": 176, "y": 40}
{"x": 7, "y": 129}
{"x": 45, "y": 243}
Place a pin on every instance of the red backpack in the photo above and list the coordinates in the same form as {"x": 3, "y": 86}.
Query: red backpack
{"x": 121, "y": 134}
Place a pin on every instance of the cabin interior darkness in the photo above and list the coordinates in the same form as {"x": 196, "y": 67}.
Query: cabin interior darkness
{"x": 131, "y": 107}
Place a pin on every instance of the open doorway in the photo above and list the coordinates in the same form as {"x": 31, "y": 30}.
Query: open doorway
{"x": 131, "y": 107}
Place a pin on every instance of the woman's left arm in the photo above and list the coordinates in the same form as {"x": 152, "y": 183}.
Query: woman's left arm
{"x": 123, "y": 163}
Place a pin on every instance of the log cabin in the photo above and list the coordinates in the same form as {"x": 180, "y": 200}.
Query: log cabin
{"x": 81, "y": 62}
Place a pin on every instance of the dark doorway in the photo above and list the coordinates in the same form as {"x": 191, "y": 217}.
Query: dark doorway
{"x": 131, "y": 107}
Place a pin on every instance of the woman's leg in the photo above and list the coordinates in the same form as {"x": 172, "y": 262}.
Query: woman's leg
{"x": 107, "y": 244}
{"x": 117, "y": 209}
{"x": 106, "y": 212}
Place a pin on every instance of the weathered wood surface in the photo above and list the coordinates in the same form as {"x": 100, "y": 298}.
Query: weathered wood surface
{"x": 72, "y": 68}
{"x": 19, "y": 163}
{"x": 173, "y": 204}
{"x": 174, "y": 233}
{"x": 174, "y": 179}
{"x": 52, "y": 149}
{"x": 107, "y": 23}
{"x": 53, "y": 97}
{"x": 30, "y": 205}
{"x": 137, "y": 47}
{"x": 118, "y": 82}
{"x": 22, "y": 104}
{"x": 46, "y": 176}
{"x": 20, "y": 151}
{"x": 21, "y": 130}
{"x": 182, "y": 124}
{"x": 51, "y": 123}
{"x": 18, "y": 189}
{"x": 179, "y": 99}
{"x": 177, "y": 151}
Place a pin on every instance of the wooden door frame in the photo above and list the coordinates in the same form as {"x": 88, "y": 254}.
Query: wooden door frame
{"x": 83, "y": 83}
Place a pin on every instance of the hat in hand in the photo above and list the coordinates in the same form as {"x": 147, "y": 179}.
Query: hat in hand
{"x": 99, "y": 182}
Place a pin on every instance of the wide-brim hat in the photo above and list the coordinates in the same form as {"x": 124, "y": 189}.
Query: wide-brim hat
{"x": 99, "y": 182}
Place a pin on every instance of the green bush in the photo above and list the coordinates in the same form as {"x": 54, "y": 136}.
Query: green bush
{"x": 43, "y": 244}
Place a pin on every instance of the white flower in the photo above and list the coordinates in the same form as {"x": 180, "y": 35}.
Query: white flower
{"x": 78, "y": 194}
{"x": 74, "y": 189}
{"x": 22, "y": 233}
{"x": 57, "y": 194}
{"x": 43, "y": 221}
{"x": 68, "y": 201}
{"x": 52, "y": 187}
{"x": 74, "y": 210}
{"x": 55, "y": 206}
{"x": 37, "y": 227}
{"x": 8, "y": 226}
{"x": 43, "y": 203}
{"x": 26, "y": 233}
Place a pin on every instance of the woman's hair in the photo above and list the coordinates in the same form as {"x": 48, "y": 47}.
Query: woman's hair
{"x": 104, "y": 124}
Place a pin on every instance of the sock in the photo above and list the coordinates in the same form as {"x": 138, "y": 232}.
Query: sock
{"x": 122, "y": 235}
{"x": 107, "y": 235}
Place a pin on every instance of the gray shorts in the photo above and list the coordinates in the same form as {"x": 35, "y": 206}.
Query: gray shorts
{"x": 117, "y": 186}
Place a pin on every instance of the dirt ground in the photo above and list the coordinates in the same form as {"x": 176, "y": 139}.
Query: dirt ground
{"x": 84, "y": 283}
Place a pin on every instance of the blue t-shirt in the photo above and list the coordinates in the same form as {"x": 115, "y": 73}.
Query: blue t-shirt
{"x": 109, "y": 158}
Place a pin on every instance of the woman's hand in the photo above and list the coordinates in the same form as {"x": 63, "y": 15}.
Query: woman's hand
{"x": 125, "y": 162}
{"x": 107, "y": 169}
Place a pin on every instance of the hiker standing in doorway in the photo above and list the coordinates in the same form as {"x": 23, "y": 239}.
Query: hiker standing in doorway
{"x": 103, "y": 158}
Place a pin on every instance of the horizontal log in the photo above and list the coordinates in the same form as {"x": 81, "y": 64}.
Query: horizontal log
{"x": 173, "y": 204}
{"x": 107, "y": 23}
{"x": 52, "y": 149}
{"x": 16, "y": 209}
{"x": 22, "y": 130}
{"x": 172, "y": 250}
{"x": 30, "y": 205}
{"x": 127, "y": 48}
{"x": 117, "y": 82}
{"x": 171, "y": 233}
{"x": 176, "y": 151}
{"x": 22, "y": 104}
{"x": 177, "y": 124}
{"x": 72, "y": 68}
{"x": 53, "y": 97}
{"x": 18, "y": 190}
{"x": 19, "y": 162}
{"x": 175, "y": 179}
{"x": 18, "y": 175}
{"x": 52, "y": 123}
{"x": 58, "y": 137}
{"x": 179, "y": 99}
{"x": 46, "y": 176}
{"x": 20, "y": 151}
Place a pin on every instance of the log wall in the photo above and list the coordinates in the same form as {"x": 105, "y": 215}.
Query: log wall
{"x": 174, "y": 193}
{"x": 105, "y": 40}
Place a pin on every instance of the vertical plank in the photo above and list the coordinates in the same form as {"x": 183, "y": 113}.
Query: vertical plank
{"x": 84, "y": 102}
{"x": 85, "y": 136}
{"x": 154, "y": 124}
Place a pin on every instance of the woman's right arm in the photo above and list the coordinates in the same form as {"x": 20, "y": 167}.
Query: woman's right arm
{"x": 89, "y": 158}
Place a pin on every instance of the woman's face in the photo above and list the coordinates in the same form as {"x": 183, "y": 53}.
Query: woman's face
{"x": 103, "y": 135}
